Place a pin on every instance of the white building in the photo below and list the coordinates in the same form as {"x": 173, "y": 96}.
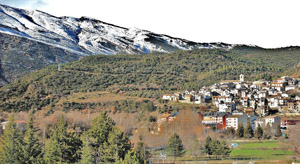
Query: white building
{"x": 235, "y": 120}
{"x": 169, "y": 97}
{"x": 272, "y": 120}
{"x": 290, "y": 87}
{"x": 199, "y": 99}
{"x": 274, "y": 102}
{"x": 223, "y": 107}
{"x": 260, "y": 122}
{"x": 242, "y": 78}
{"x": 213, "y": 118}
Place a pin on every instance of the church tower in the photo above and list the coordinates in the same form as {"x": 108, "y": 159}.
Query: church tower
{"x": 242, "y": 78}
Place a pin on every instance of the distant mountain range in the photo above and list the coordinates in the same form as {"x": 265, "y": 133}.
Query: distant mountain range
{"x": 86, "y": 36}
{"x": 31, "y": 40}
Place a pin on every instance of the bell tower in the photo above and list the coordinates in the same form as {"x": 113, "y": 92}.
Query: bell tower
{"x": 242, "y": 78}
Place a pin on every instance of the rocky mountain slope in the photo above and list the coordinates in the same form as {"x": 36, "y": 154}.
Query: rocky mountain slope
{"x": 87, "y": 36}
{"x": 31, "y": 40}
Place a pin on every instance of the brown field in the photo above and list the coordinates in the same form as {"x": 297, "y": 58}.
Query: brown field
{"x": 94, "y": 97}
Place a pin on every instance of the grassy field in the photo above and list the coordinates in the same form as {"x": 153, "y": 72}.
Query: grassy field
{"x": 259, "y": 152}
{"x": 262, "y": 149}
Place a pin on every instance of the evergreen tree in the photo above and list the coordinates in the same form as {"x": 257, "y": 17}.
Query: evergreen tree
{"x": 240, "y": 131}
{"x": 55, "y": 147}
{"x": 141, "y": 152}
{"x": 130, "y": 158}
{"x": 259, "y": 132}
{"x": 100, "y": 129}
{"x": 248, "y": 131}
{"x": 86, "y": 151}
{"x": 207, "y": 146}
{"x": 10, "y": 144}
{"x": 216, "y": 148}
{"x": 225, "y": 149}
{"x": 175, "y": 147}
{"x": 62, "y": 147}
{"x": 116, "y": 146}
{"x": 31, "y": 147}
{"x": 73, "y": 145}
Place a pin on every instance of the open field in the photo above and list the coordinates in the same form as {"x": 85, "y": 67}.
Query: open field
{"x": 95, "y": 97}
{"x": 271, "y": 161}
{"x": 259, "y": 152}
{"x": 260, "y": 149}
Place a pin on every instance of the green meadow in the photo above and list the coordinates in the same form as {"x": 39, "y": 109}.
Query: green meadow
{"x": 260, "y": 149}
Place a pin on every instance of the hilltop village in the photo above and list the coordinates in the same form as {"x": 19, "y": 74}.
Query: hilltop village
{"x": 238, "y": 102}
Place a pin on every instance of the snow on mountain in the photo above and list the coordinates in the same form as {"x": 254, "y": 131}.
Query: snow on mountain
{"x": 87, "y": 36}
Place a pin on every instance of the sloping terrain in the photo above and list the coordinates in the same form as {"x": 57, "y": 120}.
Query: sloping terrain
{"x": 31, "y": 40}
{"x": 87, "y": 36}
{"x": 20, "y": 56}
{"x": 144, "y": 75}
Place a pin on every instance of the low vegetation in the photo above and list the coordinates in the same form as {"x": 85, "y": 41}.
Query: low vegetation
{"x": 145, "y": 76}
{"x": 260, "y": 149}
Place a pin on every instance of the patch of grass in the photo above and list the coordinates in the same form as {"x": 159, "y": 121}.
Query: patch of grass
{"x": 265, "y": 149}
{"x": 258, "y": 145}
{"x": 259, "y": 152}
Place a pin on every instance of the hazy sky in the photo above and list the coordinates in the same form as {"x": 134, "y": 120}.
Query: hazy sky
{"x": 266, "y": 23}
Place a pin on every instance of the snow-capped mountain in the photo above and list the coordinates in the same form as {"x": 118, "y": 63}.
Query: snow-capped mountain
{"x": 86, "y": 36}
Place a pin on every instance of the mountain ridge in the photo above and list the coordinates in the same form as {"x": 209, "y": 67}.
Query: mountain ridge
{"x": 86, "y": 36}
{"x": 33, "y": 39}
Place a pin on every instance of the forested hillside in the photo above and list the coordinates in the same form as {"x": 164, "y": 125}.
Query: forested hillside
{"x": 20, "y": 56}
{"x": 146, "y": 76}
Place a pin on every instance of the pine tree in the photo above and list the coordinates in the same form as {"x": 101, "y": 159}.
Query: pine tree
{"x": 259, "y": 132}
{"x": 141, "y": 152}
{"x": 62, "y": 147}
{"x": 240, "y": 131}
{"x": 86, "y": 151}
{"x": 73, "y": 147}
{"x": 130, "y": 158}
{"x": 175, "y": 147}
{"x": 225, "y": 149}
{"x": 31, "y": 147}
{"x": 10, "y": 144}
{"x": 100, "y": 129}
{"x": 216, "y": 148}
{"x": 55, "y": 147}
{"x": 207, "y": 146}
{"x": 248, "y": 131}
{"x": 116, "y": 146}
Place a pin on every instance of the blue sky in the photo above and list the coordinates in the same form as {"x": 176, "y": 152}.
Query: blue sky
{"x": 266, "y": 23}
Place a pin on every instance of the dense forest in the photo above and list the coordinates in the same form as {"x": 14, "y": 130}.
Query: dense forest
{"x": 102, "y": 143}
{"x": 146, "y": 76}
